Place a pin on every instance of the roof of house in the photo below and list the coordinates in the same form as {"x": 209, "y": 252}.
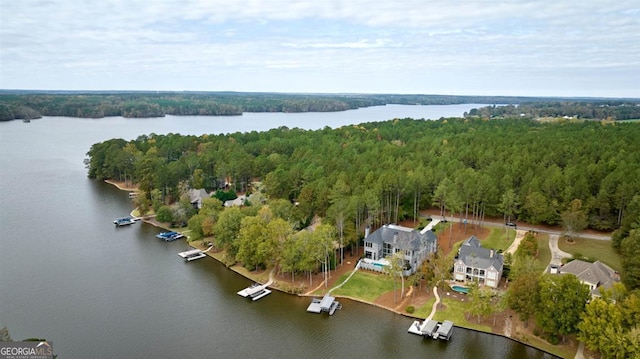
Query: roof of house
{"x": 474, "y": 255}
{"x": 239, "y": 201}
{"x": 403, "y": 237}
{"x": 197, "y": 195}
{"x": 596, "y": 273}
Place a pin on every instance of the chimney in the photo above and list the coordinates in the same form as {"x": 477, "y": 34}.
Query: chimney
{"x": 491, "y": 254}
{"x": 366, "y": 231}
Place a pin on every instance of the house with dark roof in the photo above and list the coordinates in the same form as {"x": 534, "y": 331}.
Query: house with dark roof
{"x": 196, "y": 196}
{"x": 594, "y": 275}
{"x": 390, "y": 239}
{"x": 477, "y": 264}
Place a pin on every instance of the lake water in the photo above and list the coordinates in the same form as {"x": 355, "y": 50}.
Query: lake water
{"x": 95, "y": 291}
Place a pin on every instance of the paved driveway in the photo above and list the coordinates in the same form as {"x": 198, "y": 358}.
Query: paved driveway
{"x": 556, "y": 253}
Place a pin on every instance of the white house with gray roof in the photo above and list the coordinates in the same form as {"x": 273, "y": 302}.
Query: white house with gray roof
{"x": 477, "y": 264}
{"x": 390, "y": 239}
{"x": 594, "y": 275}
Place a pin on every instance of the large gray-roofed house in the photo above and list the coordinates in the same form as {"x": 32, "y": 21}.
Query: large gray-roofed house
{"x": 196, "y": 196}
{"x": 594, "y": 275}
{"x": 477, "y": 264}
{"x": 390, "y": 239}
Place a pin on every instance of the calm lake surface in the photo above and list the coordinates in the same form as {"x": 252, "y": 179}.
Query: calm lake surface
{"x": 95, "y": 291}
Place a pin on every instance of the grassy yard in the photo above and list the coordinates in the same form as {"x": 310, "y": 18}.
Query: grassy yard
{"x": 425, "y": 309}
{"x": 455, "y": 312}
{"x": 498, "y": 239}
{"x": 593, "y": 248}
{"x": 364, "y": 285}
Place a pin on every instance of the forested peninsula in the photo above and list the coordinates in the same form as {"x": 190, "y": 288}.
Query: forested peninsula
{"x": 383, "y": 172}
{"x": 16, "y": 104}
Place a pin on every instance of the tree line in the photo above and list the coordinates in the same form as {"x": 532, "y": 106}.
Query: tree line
{"x": 594, "y": 109}
{"x": 33, "y": 104}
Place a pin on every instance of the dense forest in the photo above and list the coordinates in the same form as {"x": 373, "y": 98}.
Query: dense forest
{"x": 383, "y": 172}
{"x": 475, "y": 162}
{"x": 32, "y": 104}
{"x": 601, "y": 110}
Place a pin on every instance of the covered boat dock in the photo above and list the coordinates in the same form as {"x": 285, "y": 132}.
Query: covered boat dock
{"x": 192, "y": 255}
{"x": 326, "y": 304}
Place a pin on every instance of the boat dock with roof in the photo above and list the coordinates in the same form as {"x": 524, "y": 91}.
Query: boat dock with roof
{"x": 192, "y": 255}
{"x": 432, "y": 329}
{"x": 326, "y": 304}
{"x": 169, "y": 236}
{"x": 124, "y": 221}
{"x": 255, "y": 291}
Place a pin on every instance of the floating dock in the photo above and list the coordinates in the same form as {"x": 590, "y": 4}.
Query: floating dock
{"x": 326, "y": 304}
{"x": 124, "y": 221}
{"x": 169, "y": 236}
{"x": 432, "y": 329}
{"x": 255, "y": 291}
{"x": 192, "y": 255}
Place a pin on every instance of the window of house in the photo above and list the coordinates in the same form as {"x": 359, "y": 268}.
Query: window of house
{"x": 368, "y": 244}
{"x": 387, "y": 249}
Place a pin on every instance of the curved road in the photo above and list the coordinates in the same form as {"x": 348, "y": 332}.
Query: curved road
{"x": 526, "y": 227}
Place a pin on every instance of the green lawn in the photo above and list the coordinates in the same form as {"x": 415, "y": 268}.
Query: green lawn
{"x": 595, "y": 249}
{"x": 498, "y": 239}
{"x": 455, "y": 312}
{"x": 425, "y": 309}
{"x": 366, "y": 286}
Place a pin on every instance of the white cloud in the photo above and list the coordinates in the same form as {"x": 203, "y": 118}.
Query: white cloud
{"x": 359, "y": 43}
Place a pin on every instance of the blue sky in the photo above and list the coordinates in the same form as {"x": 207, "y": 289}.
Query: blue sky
{"x": 482, "y": 47}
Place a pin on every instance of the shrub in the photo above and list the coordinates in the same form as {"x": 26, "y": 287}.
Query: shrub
{"x": 410, "y": 309}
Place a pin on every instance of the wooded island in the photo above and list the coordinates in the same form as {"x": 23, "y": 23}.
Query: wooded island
{"x": 16, "y": 104}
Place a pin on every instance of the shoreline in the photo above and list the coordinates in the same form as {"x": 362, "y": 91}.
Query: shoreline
{"x": 258, "y": 279}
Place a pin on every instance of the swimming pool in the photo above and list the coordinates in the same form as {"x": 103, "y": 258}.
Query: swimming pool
{"x": 460, "y": 289}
